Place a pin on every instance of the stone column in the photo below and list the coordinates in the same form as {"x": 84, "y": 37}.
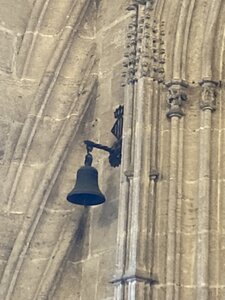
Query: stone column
{"x": 138, "y": 178}
{"x": 175, "y": 100}
{"x": 207, "y": 105}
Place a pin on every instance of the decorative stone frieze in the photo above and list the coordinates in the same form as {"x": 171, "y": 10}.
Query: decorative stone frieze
{"x": 131, "y": 47}
{"x": 145, "y": 51}
{"x": 158, "y": 51}
{"x": 176, "y": 98}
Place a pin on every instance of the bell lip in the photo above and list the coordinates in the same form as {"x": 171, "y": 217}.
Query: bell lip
{"x": 103, "y": 199}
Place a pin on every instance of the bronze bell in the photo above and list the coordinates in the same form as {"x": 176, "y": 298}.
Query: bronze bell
{"x": 86, "y": 191}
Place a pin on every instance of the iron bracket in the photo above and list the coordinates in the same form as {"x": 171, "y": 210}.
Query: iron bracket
{"x": 115, "y": 152}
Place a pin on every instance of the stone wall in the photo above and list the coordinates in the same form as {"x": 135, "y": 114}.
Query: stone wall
{"x": 160, "y": 233}
{"x": 61, "y": 64}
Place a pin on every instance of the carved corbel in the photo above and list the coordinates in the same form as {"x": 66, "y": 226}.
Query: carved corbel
{"x": 209, "y": 94}
{"x": 176, "y": 98}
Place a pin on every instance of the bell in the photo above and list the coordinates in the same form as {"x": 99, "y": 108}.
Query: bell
{"x": 86, "y": 191}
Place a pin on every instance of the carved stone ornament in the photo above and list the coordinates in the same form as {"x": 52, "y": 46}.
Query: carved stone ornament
{"x": 145, "y": 52}
{"x": 209, "y": 94}
{"x": 176, "y": 98}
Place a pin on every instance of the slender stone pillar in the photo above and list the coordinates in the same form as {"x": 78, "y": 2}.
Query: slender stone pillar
{"x": 133, "y": 276}
{"x": 207, "y": 105}
{"x": 175, "y": 100}
{"x": 126, "y": 177}
{"x": 125, "y": 191}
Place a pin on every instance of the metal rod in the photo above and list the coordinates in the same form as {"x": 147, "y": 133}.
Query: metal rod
{"x": 91, "y": 144}
{"x": 88, "y": 159}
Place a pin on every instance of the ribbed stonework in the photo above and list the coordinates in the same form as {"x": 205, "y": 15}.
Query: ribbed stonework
{"x": 169, "y": 226}
{"x": 65, "y": 66}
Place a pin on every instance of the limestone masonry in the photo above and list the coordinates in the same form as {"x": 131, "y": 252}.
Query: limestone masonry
{"x": 65, "y": 66}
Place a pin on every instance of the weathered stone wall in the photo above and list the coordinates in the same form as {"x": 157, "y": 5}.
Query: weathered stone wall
{"x": 61, "y": 64}
{"x": 171, "y": 185}
{"x": 160, "y": 234}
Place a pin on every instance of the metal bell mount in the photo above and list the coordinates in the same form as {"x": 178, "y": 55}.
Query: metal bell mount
{"x": 86, "y": 191}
